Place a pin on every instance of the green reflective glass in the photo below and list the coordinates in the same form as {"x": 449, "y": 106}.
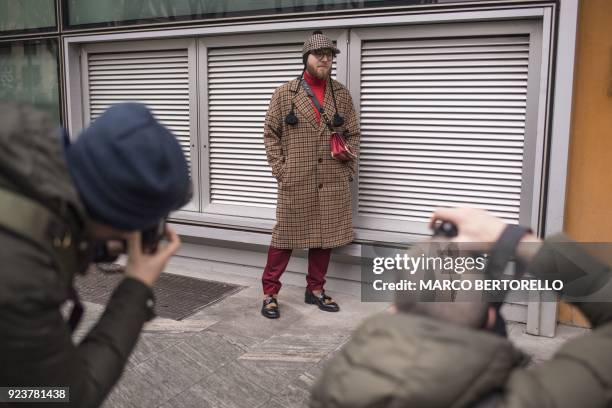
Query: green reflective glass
{"x": 28, "y": 73}
{"x": 117, "y": 12}
{"x": 23, "y": 15}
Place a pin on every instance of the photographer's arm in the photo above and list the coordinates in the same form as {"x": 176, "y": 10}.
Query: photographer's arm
{"x": 580, "y": 373}
{"x": 582, "y": 275}
{"x": 109, "y": 344}
{"x": 98, "y": 361}
{"x": 101, "y": 357}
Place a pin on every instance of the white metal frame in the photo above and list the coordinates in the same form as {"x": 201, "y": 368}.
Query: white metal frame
{"x": 536, "y": 105}
{"x": 183, "y": 43}
{"x": 339, "y": 36}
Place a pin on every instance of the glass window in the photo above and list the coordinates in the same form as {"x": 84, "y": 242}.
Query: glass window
{"x": 119, "y": 12}
{"x": 26, "y": 15}
{"x": 29, "y": 73}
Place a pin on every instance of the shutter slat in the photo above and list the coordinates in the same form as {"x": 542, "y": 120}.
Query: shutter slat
{"x": 493, "y": 184}
{"x": 241, "y": 81}
{"x": 399, "y": 203}
{"x": 443, "y": 124}
{"x": 393, "y": 57}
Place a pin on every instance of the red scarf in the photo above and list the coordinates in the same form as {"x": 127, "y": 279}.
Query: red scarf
{"x": 318, "y": 89}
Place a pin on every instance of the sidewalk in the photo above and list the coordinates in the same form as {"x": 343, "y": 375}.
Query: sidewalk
{"x": 228, "y": 355}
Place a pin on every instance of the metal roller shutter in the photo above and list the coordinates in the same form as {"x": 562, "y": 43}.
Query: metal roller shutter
{"x": 241, "y": 81}
{"x": 443, "y": 124}
{"x": 159, "y": 79}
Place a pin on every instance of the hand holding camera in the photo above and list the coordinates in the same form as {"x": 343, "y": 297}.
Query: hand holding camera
{"x": 147, "y": 266}
{"x": 473, "y": 225}
{"x": 477, "y": 226}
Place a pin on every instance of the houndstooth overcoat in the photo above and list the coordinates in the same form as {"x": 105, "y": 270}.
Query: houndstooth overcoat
{"x": 313, "y": 208}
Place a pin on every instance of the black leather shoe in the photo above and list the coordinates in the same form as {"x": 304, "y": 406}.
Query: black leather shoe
{"x": 270, "y": 308}
{"x": 324, "y": 302}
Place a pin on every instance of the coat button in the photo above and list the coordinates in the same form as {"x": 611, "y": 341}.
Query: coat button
{"x": 320, "y": 160}
{"x": 321, "y": 185}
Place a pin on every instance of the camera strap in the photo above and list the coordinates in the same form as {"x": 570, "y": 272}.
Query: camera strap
{"x": 504, "y": 250}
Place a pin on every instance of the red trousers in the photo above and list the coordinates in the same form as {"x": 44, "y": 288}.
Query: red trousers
{"x": 318, "y": 261}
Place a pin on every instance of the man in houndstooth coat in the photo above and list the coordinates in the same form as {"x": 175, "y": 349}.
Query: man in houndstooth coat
{"x": 314, "y": 197}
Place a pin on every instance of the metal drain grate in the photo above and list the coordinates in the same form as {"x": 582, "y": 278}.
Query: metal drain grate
{"x": 177, "y": 297}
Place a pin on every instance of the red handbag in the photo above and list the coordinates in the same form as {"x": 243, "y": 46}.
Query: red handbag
{"x": 340, "y": 150}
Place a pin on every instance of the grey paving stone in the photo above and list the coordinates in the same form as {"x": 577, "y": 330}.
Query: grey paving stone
{"x": 275, "y": 403}
{"x": 251, "y": 327}
{"x": 274, "y": 375}
{"x": 212, "y": 350}
{"x": 194, "y": 397}
{"x": 164, "y": 325}
{"x": 297, "y": 393}
{"x": 160, "y": 378}
{"x": 231, "y": 386}
{"x": 135, "y": 390}
{"x": 151, "y": 344}
{"x": 307, "y": 347}
{"x": 113, "y": 401}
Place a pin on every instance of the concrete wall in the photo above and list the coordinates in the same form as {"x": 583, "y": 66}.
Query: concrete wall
{"x": 588, "y": 214}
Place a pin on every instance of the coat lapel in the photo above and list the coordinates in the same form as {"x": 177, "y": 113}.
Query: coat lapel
{"x": 304, "y": 105}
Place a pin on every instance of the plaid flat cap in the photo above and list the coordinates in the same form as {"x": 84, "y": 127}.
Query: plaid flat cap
{"x": 318, "y": 41}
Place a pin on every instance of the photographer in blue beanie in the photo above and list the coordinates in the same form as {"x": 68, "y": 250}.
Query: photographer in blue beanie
{"x": 59, "y": 207}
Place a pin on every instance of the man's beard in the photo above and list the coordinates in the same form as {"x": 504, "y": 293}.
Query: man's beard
{"x": 318, "y": 73}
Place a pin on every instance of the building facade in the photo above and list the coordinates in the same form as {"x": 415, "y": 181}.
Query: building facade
{"x": 461, "y": 103}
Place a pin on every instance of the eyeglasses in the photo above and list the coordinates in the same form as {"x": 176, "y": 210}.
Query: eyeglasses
{"x": 320, "y": 53}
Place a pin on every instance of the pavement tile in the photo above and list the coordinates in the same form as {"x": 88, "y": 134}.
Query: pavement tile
{"x": 274, "y": 375}
{"x": 135, "y": 390}
{"x": 231, "y": 386}
{"x": 151, "y": 344}
{"x": 296, "y": 394}
{"x": 250, "y": 327}
{"x": 211, "y": 349}
{"x": 193, "y": 397}
{"x": 275, "y": 403}
{"x": 160, "y": 378}
{"x": 164, "y": 325}
{"x": 307, "y": 347}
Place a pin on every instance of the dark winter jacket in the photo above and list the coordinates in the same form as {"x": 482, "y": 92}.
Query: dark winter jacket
{"x": 36, "y": 348}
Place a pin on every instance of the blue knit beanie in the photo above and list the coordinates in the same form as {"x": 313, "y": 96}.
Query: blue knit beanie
{"x": 129, "y": 169}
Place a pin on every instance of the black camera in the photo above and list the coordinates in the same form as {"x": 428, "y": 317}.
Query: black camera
{"x": 445, "y": 229}
{"x": 150, "y": 237}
